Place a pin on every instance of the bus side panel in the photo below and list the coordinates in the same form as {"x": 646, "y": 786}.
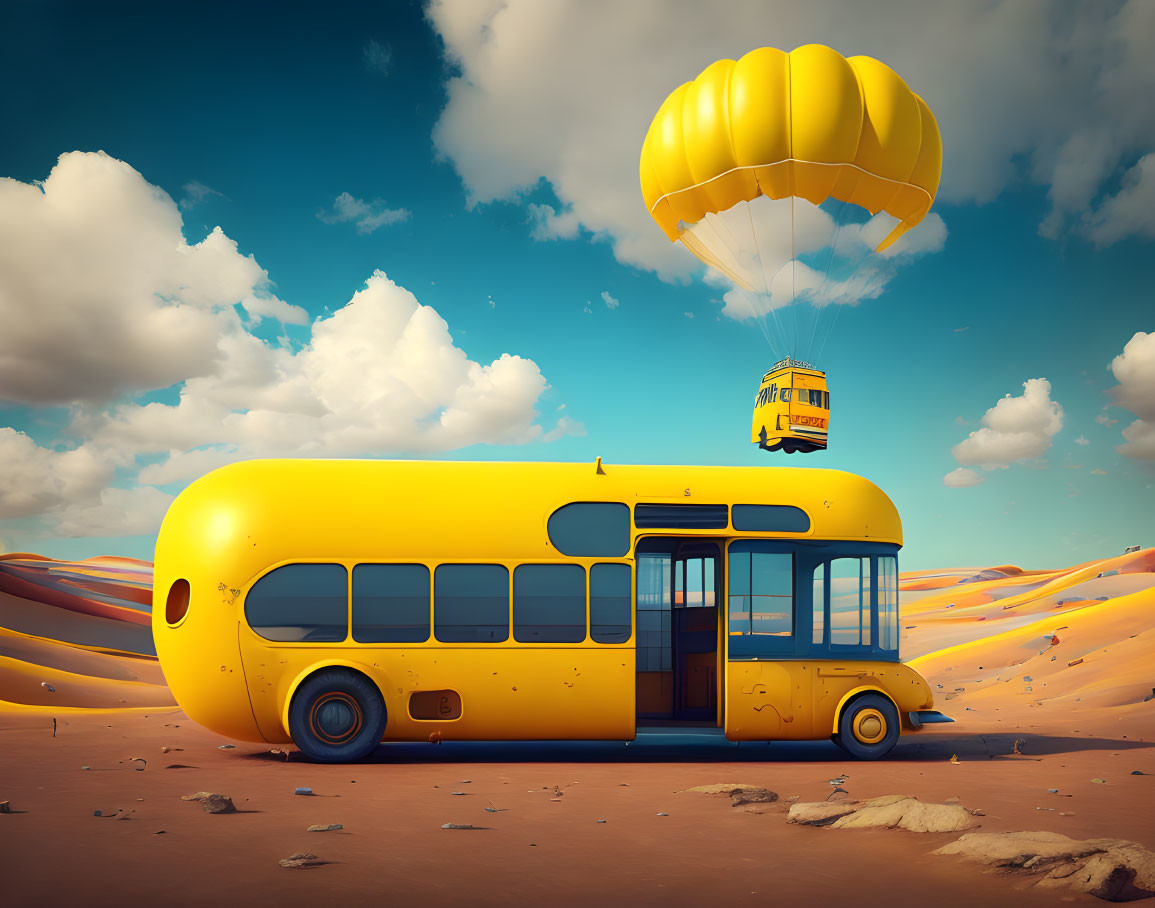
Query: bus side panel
{"x": 768, "y": 701}
{"x": 834, "y": 680}
{"x": 507, "y": 692}
{"x": 519, "y": 693}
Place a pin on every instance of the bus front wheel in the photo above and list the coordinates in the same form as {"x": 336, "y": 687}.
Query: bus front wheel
{"x": 337, "y": 716}
{"x": 868, "y": 727}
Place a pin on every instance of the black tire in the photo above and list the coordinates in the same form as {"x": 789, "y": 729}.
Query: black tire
{"x": 868, "y": 728}
{"x": 337, "y": 716}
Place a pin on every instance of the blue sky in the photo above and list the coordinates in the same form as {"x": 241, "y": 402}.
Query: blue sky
{"x": 486, "y": 161}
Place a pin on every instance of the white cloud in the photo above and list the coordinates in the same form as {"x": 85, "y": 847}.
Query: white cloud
{"x": 1053, "y": 100}
{"x": 962, "y": 478}
{"x": 377, "y": 57}
{"x": 367, "y": 216}
{"x": 1129, "y": 211}
{"x": 1082, "y": 440}
{"x": 100, "y": 293}
{"x": 610, "y": 302}
{"x": 118, "y": 512}
{"x": 1134, "y": 369}
{"x": 195, "y": 193}
{"x": 380, "y": 376}
{"x": 34, "y": 479}
{"x": 1014, "y": 429}
{"x": 1104, "y": 420}
{"x": 565, "y": 426}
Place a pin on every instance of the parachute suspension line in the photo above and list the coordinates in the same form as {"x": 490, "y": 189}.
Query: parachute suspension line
{"x": 794, "y": 351}
{"x": 818, "y": 316}
{"x": 761, "y": 319}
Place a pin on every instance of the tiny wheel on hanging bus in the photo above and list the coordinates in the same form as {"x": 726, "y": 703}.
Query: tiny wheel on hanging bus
{"x": 868, "y": 727}
{"x": 337, "y": 716}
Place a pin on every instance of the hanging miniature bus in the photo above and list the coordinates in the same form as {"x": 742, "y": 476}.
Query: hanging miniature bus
{"x": 792, "y": 409}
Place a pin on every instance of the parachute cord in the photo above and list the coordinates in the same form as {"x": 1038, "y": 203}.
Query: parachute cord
{"x": 761, "y": 319}
{"x": 825, "y": 284}
{"x": 793, "y": 273}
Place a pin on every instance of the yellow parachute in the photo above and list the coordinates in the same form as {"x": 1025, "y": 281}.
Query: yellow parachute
{"x": 811, "y": 124}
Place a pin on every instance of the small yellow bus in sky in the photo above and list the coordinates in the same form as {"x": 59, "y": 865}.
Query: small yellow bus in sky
{"x": 792, "y": 409}
{"x": 341, "y": 603}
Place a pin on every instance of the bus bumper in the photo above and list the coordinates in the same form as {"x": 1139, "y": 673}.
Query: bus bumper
{"x": 921, "y": 717}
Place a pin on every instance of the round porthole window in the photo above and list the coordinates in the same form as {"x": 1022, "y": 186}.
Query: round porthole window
{"x": 177, "y": 605}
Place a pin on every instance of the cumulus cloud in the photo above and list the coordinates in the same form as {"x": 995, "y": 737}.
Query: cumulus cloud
{"x": 35, "y": 479}
{"x": 962, "y": 478}
{"x": 1129, "y": 211}
{"x": 1014, "y": 429}
{"x": 366, "y": 216}
{"x": 379, "y": 376}
{"x": 610, "y": 302}
{"x": 1134, "y": 369}
{"x": 117, "y": 512}
{"x": 580, "y": 126}
{"x": 1104, "y": 420}
{"x": 1082, "y": 440}
{"x": 101, "y": 294}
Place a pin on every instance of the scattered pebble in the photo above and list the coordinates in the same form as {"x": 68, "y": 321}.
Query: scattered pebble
{"x": 300, "y": 859}
{"x": 5, "y": 807}
{"x": 457, "y": 792}
{"x": 1099, "y": 781}
{"x": 601, "y": 821}
{"x": 86, "y": 767}
{"x": 1076, "y": 662}
{"x": 329, "y": 828}
{"x": 663, "y": 814}
{"x": 227, "y": 747}
{"x": 461, "y": 826}
{"x": 48, "y": 687}
{"x": 303, "y": 790}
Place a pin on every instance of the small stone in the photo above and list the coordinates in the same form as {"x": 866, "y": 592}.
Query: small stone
{"x": 227, "y": 747}
{"x": 1099, "y": 781}
{"x": 329, "y": 828}
{"x": 601, "y": 821}
{"x": 300, "y": 859}
{"x": 48, "y": 687}
{"x": 663, "y": 814}
{"x": 219, "y": 804}
{"x": 460, "y": 826}
{"x": 302, "y": 790}
{"x": 752, "y": 796}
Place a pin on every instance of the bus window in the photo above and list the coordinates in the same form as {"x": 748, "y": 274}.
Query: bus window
{"x": 773, "y": 518}
{"x": 300, "y": 603}
{"x": 655, "y": 596}
{"x": 549, "y": 603}
{"x": 888, "y": 602}
{"x": 610, "y": 603}
{"x": 826, "y": 400}
{"x": 590, "y": 529}
{"x": 390, "y": 603}
{"x": 850, "y": 601}
{"x": 761, "y": 593}
{"x": 471, "y": 603}
{"x": 785, "y": 396}
{"x": 819, "y": 603}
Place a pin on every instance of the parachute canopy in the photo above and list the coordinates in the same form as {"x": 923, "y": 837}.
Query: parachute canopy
{"x": 809, "y": 124}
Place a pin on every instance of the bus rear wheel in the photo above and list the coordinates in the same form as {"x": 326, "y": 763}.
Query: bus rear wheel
{"x": 868, "y": 727}
{"x": 337, "y": 716}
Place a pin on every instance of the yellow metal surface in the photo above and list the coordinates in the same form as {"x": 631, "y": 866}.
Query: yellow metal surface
{"x": 778, "y": 420}
{"x": 869, "y": 726}
{"x": 234, "y": 525}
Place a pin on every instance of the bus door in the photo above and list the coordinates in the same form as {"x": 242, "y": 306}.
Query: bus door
{"x": 678, "y": 591}
{"x": 768, "y": 679}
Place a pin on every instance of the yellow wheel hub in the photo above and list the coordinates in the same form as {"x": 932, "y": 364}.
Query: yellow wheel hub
{"x": 869, "y": 726}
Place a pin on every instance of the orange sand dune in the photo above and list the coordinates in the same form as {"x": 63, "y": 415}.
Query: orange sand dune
{"x": 106, "y": 587}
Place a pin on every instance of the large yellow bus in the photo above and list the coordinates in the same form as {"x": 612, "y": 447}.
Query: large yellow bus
{"x": 341, "y": 603}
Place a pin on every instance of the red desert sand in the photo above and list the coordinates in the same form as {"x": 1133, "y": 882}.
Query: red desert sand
{"x": 1045, "y": 672}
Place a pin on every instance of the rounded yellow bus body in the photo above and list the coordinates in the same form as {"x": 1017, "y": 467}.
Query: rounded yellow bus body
{"x": 232, "y": 527}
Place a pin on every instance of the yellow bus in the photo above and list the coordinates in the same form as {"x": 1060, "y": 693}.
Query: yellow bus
{"x": 341, "y": 603}
{"x": 792, "y": 409}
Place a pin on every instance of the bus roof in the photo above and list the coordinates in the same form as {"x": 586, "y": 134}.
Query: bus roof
{"x": 268, "y": 511}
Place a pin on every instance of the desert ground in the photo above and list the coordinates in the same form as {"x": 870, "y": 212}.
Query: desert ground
{"x": 1048, "y": 674}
